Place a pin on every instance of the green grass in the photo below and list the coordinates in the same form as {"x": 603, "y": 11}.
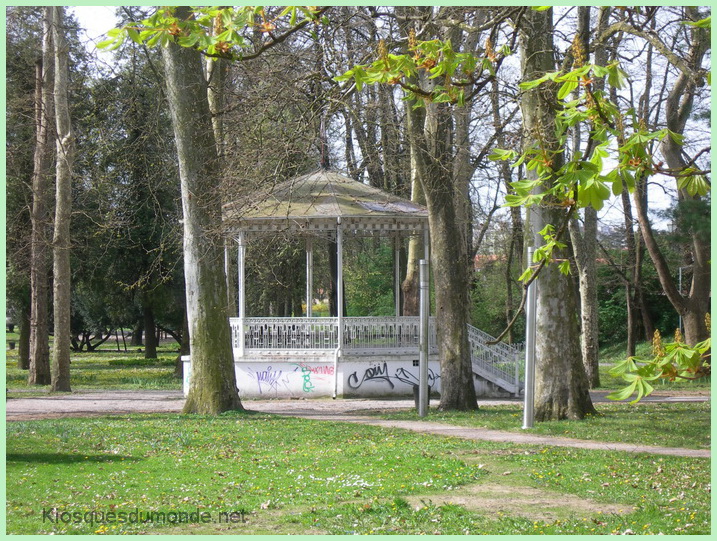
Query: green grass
{"x": 676, "y": 424}
{"x": 655, "y": 502}
{"x": 294, "y": 475}
{"x": 106, "y": 368}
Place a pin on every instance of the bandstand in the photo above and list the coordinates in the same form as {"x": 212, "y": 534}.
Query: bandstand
{"x": 339, "y": 356}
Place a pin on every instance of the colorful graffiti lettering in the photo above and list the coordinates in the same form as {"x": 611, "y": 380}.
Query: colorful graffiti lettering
{"x": 326, "y": 370}
{"x": 306, "y": 375}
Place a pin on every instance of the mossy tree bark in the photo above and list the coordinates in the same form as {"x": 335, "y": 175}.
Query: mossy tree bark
{"x": 561, "y": 386}
{"x": 212, "y": 388}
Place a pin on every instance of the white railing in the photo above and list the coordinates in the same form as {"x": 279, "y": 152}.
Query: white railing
{"x": 280, "y": 333}
{"x": 362, "y": 335}
{"x": 499, "y": 360}
{"x": 369, "y": 336}
{"x": 383, "y": 334}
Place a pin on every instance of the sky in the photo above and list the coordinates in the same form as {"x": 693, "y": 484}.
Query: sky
{"x": 97, "y": 20}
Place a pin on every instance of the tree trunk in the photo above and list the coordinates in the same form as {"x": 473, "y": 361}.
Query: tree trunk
{"x": 23, "y": 348}
{"x": 585, "y": 248}
{"x": 561, "y": 387}
{"x": 450, "y": 264}
{"x": 431, "y": 137}
{"x": 217, "y": 73}
{"x": 678, "y": 108}
{"x": 137, "y": 333}
{"x": 630, "y": 273}
{"x": 41, "y": 184}
{"x": 584, "y": 244}
{"x": 65, "y": 144}
{"x": 212, "y": 387}
{"x": 410, "y": 286}
{"x": 449, "y": 257}
{"x": 150, "y": 329}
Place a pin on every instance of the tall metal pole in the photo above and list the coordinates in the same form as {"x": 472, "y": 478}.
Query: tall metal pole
{"x": 529, "y": 406}
{"x": 309, "y": 276}
{"x": 423, "y": 336}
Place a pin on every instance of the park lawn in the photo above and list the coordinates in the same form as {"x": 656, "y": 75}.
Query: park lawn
{"x": 674, "y": 424}
{"x": 287, "y": 475}
{"x": 106, "y": 368}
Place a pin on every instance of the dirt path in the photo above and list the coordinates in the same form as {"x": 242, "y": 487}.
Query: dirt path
{"x": 92, "y": 404}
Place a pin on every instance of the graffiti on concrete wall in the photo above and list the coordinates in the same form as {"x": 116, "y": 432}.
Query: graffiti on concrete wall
{"x": 312, "y": 375}
{"x": 268, "y": 380}
{"x": 307, "y": 386}
{"x": 379, "y": 373}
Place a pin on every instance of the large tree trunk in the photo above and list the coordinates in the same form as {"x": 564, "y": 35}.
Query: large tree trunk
{"x": 450, "y": 262}
{"x": 63, "y": 209}
{"x": 561, "y": 384}
{"x": 430, "y": 136}
{"x": 449, "y": 257}
{"x": 212, "y": 387}
{"x": 41, "y": 183}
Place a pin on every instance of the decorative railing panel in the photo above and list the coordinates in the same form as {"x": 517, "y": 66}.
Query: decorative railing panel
{"x": 265, "y": 333}
{"x": 363, "y": 334}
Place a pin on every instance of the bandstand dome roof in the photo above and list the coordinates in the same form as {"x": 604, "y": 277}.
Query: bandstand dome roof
{"x": 318, "y": 202}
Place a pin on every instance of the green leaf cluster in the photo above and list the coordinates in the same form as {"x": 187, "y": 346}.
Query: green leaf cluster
{"x": 616, "y": 138}
{"x": 677, "y": 361}
{"x": 213, "y": 30}
{"x": 437, "y": 59}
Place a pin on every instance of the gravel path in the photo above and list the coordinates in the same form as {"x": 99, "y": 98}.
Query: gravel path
{"x": 91, "y": 404}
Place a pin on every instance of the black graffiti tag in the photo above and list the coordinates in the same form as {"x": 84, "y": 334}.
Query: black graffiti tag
{"x": 376, "y": 372}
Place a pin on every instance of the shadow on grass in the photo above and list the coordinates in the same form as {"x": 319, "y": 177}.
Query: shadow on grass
{"x": 65, "y": 458}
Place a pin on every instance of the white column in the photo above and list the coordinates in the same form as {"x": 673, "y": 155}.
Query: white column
{"x": 397, "y": 273}
{"x": 241, "y": 297}
{"x": 309, "y": 275}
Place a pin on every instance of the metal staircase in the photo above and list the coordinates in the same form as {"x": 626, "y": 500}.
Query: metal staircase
{"x": 498, "y": 363}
